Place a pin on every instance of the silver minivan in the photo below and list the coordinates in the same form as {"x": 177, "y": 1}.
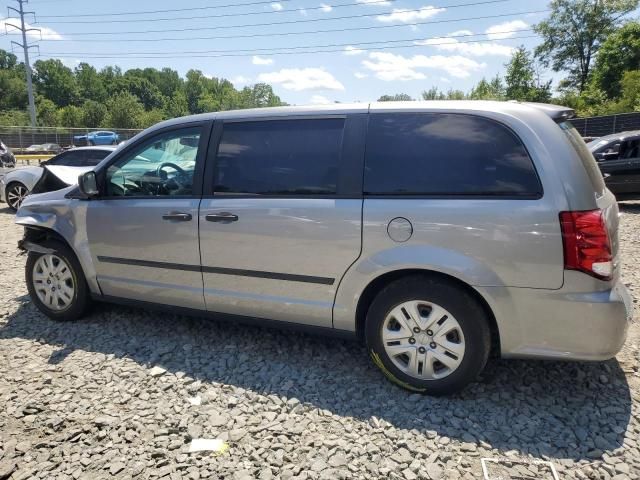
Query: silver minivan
{"x": 440, "y": 233}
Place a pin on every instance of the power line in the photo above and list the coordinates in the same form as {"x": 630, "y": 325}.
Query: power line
{"x": 302, "y": 47}
{"x": 385, "y": 47}
{"x": 308, "y": 32}
{"x": 265, "y": 24}
{"x": 242, "y": 14}
{"x": 191, "y": 9}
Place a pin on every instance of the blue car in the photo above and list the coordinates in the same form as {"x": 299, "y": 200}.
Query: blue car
{"x": 97, "y": 138}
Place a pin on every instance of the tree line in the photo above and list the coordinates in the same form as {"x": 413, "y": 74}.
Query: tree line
{"x": 591, "y": 41}
{"x": 137, "y": 98}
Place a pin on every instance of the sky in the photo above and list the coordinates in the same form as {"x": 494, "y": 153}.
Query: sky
{"x": 311, "y": 51}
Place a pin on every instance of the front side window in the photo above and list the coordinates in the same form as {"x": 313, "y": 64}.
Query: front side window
{"x": 279, "y": 157}
{"x": 446, "y": 154}
{"x": 162, "y": 166}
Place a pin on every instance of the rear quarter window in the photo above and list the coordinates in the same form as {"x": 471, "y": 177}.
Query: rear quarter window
{"x": 586, "y": 157}
{"x": 446, "y": 154}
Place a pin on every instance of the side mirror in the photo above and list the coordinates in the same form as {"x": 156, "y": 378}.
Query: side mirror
{"x": 88, "y": 184}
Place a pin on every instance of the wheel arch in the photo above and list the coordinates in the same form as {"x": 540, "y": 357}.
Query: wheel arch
{"x": 378, "y": 283}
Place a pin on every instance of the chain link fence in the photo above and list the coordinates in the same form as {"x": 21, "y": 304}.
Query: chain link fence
{"x": 20, "y": 138}
{"x": 608, "y": 124}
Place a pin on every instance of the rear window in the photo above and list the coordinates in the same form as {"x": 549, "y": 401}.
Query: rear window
{"x": 587, "y": 158}
{"x": 446, "y": 154}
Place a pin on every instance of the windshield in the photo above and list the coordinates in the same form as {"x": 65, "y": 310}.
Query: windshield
{"x": 588, "y": 160}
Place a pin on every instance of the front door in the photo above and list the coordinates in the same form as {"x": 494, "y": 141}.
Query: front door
{"x": 143, "y": 230}
{"x": 284, "y": 222}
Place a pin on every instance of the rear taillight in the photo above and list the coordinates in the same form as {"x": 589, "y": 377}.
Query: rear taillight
{"x": 587, "y": 247}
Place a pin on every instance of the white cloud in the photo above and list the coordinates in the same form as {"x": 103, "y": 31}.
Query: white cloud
{"x": 303, "y": 12}
{"x": 319, "y": 100}
{"x": 391, "y": 67}
{"x": 406, "y": 15}
{"x": 445, "y": 80}
{"x": 351, "y": 50}
{"x": 496, "y": 32}
{"x": 277, "y": 6}
{"x": 325, "y": 8}
{"x": 478, "y": 49}
{"x": 360, "y": 75}
{"x": 240, "y": 80}
{"x": 374, "y": 2}
{"x": 258, "y": 60}
{"x": 46, "y": 32}
{"x": 299, "y": 79}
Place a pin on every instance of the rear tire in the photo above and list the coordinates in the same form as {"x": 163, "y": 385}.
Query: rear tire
{"x": 56, "y": 282}
{"x": 15, "y": 195}
{"x": 428, "y": 335}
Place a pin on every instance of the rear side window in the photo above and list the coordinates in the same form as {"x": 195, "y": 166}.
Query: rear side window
{"x": 280, "y": 157}
{"x": 446, "y": 154}
{"x": 587, "y": 158}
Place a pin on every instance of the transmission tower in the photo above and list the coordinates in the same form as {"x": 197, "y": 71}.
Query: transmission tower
{"x": 25, "y": 47}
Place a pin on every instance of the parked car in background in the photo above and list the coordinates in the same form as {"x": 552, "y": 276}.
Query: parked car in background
{"x": 65, "y": 167}
{"x": 43, "y": 148}
{"x": 438, "y": 232}
{"x": 618, "y": 157}
{"x": 97, "y": 138}
{"x": 7, "y": 158}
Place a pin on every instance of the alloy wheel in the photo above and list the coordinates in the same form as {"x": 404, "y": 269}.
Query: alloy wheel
{"x": 16, "y": 194}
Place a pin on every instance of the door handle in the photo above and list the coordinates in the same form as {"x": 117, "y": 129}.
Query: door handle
{"x": 177, "y": 217}
{"x": 221, "y": 217}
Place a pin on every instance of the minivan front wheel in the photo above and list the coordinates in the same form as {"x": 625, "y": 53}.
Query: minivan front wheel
{"x": 428, "y": 335}
{"x": 56, "y": 282}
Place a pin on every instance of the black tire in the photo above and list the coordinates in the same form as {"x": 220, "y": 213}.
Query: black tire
{"x": 12, "y": 189}
{"x": 81, "y": 299}
{"x": 468, "y": 312}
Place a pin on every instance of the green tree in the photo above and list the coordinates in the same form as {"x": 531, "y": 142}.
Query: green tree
{"x": 90, "y": 83}
{"x": 71, "y": 116}
{"x": 398, "y": 97}
{"x": 124, "y": 111}
{"x": 574, "y": 31}
{"x": 177, "y": 105}
{"x": 47, "y": 112}
{"x": 488, "y": 90}
{"x": 521, "y": 79}
{"x": 630, "y": 101}
{"x": 148, "y": 94}
{"x": 433, "y": 94}
{"x": 258, "y": 96}
{"x": 618, "y": 54}
{"x": 55, "y": 81}
{"x": 151, "y": 117}
{"x": 94, "y": 114}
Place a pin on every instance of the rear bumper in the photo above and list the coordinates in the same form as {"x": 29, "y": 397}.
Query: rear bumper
{"x": 569, "y": 323}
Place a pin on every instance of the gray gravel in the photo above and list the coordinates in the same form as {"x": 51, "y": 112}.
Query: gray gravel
{"x": 122, "y": 393}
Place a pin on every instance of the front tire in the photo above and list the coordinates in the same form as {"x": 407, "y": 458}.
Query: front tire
{"x": 56, "y": 282}
{"x": 15, "y": 194}
{"x": 428, "y": 335}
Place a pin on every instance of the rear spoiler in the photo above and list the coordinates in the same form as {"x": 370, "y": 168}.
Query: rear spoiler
{"x": 555, "y": 112}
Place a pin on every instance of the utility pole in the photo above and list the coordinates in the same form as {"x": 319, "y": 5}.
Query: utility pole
{"x": 25, "y": 46}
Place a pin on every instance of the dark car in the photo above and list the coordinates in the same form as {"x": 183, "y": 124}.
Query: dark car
{"x": 7, "y": 159}
{"x": 618, "y": 157}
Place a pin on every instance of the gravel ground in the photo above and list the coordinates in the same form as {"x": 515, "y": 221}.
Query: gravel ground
{"x": 122, "y": 394}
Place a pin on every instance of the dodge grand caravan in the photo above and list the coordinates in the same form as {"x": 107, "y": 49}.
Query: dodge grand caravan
{"x": 438, "y": 232}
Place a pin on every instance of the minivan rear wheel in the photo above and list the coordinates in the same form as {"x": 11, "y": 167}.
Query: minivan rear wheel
{"x": 56, "y": 282}
{"x": 428, "y": 335}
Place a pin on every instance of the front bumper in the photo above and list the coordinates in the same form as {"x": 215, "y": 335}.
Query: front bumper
{"x": 576, "y": 322}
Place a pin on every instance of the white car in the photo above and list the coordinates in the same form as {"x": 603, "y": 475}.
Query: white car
{"x": 66, "y": 167}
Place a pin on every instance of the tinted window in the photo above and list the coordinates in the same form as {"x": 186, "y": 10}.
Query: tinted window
{"x": 280, "y": 157}
{"x": 446, "y": 154}
{"x": 588, "y": 161}
{"x": 80, "y": 158}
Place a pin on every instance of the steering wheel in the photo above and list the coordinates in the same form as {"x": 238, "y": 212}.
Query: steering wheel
{"x": 159, "y": 171}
